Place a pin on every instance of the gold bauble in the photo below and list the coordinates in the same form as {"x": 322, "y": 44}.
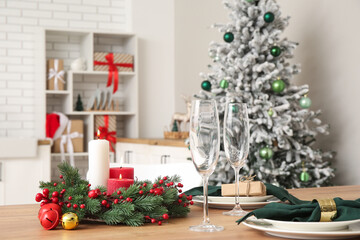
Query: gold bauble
{"x": 69, "y": 221}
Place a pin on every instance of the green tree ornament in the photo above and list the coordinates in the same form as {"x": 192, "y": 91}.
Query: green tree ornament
{"x": 79, "y": 104}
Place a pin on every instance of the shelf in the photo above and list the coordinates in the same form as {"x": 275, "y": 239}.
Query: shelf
{"x": 100, "y": 73}
{"x": 121, "y": 113}
{"x": 59, "y": 92}
{"x": 77, "y": 154}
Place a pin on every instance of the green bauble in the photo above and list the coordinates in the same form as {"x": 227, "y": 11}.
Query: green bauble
{"x": 278, "y": 86}
{"x": 228, "y": 37}
{"x": 235, "y": 109}
{"x": 224, "y": 84}
{"x": 266, "y": 153}
{"x": 275, "y": 51}
{"x": 305, "y": 102}
{"x": 304, "y": 176}
{"x": 269, "y": 17}
{"x": 206, "y": 85}
{"x": 270, "y": 112}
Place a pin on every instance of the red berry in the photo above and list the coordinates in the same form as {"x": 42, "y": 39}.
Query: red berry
{"x": 104, "y": 202}
{"x": 116, "y": 201}
{"x": 191, "y": 202}
{"x": 82, "y": 206}
{"x": 61, "y": 204}
{"x": 104, "y": 193}
{"x": 121, "y": 197}
{"x": 141, "y": 192}
{"x": 179, "y": 200}
{"x": 70, "y": 198}
{"x": 155, "y": 185}
{"x": 161, "y": 189}
{"x": 55, "y": 184}
{"x": 42, "y": 204}
{"x": 107, "y": 205}
{"x": 64, "y": 190}
{"x": 180, "y": 191}
{"x": 68, "y": 205}
{"x": 147, "y": 217}
{"x": 54, "y": 200}
{"x": 144, "y": 184}
{"x": 181, "y": 195}
{"x": 153, "y": 220}
{"x": 118, "y": 192}
{"x": 75, "y": 206}
{"x": 55, "y": 194}
{"x": 38, "y": 197}
{"x": 61, "y": 176}
{"x": 159, "y": 222}
{"x": 184, "y": 205}
{"x": 46, "y": 191}
{"x": 165, "y": 216}
{"x": 165, "y": 178}
{"x": 60, "y": 196}
{"x": 63, "y": 183}
{"x": 151, "y": 191}
{"x": 161, "y": 181}
{"x": 128, "y": 199}
{"x": 171, "y": 183}
{"x": 189, "y": 197}
{"x": 98, "y": 191}
{"x": 46, "y": 201}
{"x": 92, "y": 194}
{"x": 89, "y": 185}
{"x": 168, "y": 184}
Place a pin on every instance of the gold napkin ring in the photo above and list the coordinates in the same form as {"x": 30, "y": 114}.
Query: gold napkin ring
{"x": 328, "y": 209}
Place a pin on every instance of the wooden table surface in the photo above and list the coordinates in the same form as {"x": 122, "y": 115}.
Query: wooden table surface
{"x": 21, "y": 222}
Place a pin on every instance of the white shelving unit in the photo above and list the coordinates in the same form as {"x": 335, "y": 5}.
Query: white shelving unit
{"x": 72, "y": 44}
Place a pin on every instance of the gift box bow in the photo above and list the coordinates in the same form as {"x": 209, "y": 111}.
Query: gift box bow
{"x": 56, "y": 74}
{"x": 103, "y": 133}
{"x": 113, "y": 71}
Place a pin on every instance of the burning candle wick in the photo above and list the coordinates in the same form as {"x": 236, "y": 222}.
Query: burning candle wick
{"x": 120, "y": 176}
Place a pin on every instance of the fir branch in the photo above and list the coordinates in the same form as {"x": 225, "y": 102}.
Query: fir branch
{"x": 131, "y": 191}
{"x": 148, "y": 203}
{"x": 93, "y": 206}
{"x": 136, "y": 220}
{"x": 176, "y": 210}
{"x": 112, "y": 217}
{"x": 170, "y": 196}
{"x": 125, "y": 208}
{"x": 71, "y": 175}
{"x": 156, "y": 212}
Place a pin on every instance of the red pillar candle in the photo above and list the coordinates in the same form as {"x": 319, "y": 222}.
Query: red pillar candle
{"x": 115, "y": 183}
{"x": 126, "y": 172}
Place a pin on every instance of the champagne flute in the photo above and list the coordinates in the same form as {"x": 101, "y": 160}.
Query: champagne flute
{"x": 205, "y": 147}
{"x": 236, "y": 144}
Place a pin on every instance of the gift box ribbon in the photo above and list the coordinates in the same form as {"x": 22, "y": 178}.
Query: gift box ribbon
{"x": 113, "y": 71}
{"x": 66, "y": 139}
{"x": 58, "y": 76}
{"x": 247, "y": 180}
{"x": 105, "y": 134}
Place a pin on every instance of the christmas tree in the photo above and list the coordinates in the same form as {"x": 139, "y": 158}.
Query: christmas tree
{"x": 251, "y": 66}
{"x": 79, "y": 104}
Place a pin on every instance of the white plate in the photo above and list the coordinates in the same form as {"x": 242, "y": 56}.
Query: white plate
{"x": 311, "y": 226}
{"x": 222, "y": 203}
{"x": 241, "y": 199}
{"x": 352, "y": 231}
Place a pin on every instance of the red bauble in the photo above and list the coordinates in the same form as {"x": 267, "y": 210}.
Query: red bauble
{"x": 48, "y": 207}
{"x": 38, "y": 197}
{"x": 165, "y": 216}
{"x": 55, "y": 194}
{"x": 93, "y": 194}
{"x": 104, "y": 202}
{"x": 82, "y": 206}
{"x": 50, "y": 219}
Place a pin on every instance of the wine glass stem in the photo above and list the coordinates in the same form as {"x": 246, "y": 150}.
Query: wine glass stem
{"x": 206, "y": 207}
{"x": 237, "y": 202}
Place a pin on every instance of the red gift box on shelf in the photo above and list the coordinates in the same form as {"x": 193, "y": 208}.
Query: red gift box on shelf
{"x": 106, "y": 125}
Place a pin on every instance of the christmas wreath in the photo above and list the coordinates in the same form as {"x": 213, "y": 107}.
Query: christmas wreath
{"x": 142, "y": 202}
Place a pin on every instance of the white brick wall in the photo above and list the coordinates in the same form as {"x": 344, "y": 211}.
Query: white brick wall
{"x": 19, "y": 20}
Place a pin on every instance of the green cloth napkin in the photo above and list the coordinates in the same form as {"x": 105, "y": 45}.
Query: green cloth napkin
{"x": 280, "y": 193}
{"x": 298, "y": 210}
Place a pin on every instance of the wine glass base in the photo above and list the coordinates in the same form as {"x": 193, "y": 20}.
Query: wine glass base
{"x": 236, "y": 212}
{"x": 206, "y": 228}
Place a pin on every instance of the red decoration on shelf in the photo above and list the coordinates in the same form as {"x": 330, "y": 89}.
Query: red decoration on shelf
{"x": 113, "y": 71}
{"x": 103, "y": 133}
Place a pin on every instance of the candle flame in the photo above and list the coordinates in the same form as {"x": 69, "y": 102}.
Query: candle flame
{"x": 98, "y": 133}
{"x": 120, "y": 176}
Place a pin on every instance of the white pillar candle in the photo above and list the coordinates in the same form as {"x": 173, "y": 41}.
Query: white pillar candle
{"x": 98, "y": 173}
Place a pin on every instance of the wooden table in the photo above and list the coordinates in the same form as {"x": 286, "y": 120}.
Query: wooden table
{"x": 20, "y": 222}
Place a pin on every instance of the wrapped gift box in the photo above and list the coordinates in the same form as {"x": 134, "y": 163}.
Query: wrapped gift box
{"x": 118, "y": 59}
{"x": 55, "y": 74}
{"x": 107, "y": 122}
{"x": 256, "y": 188}
{"x": 78, "y": 142}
